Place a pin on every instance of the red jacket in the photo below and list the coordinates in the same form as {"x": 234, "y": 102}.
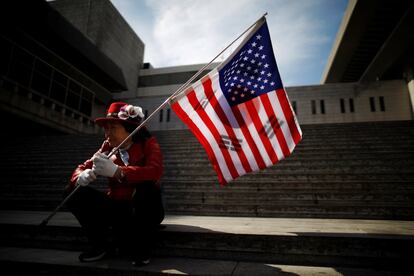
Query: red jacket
{"x": 145, "y": 164}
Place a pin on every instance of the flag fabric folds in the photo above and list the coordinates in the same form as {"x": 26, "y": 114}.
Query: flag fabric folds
{"x": 240, "y": 111}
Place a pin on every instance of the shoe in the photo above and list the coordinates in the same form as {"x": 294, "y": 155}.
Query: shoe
{"x": 140, "y": 262}
{"x": 93, "y": 255}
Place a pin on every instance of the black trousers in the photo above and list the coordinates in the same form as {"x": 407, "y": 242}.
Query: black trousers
{"x": 130, "y": 225}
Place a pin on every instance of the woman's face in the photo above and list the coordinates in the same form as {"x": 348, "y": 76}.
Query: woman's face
{"x": 115, "y": 133}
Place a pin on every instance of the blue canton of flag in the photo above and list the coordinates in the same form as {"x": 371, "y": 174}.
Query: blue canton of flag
{"x": 252, "y": 71}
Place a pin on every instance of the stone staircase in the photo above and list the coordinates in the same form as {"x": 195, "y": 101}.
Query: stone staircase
{"x": 344, "y": 199}
{"x": 360, "y": 170}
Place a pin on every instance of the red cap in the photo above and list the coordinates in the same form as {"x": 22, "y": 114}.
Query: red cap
{"x": 121, "y": 112}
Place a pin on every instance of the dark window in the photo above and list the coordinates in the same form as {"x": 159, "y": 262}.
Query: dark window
{"x": 372, "y": 103}
{"x": 294, "y": 107}
{"x": 322, "y": 106}
{"x": 351, "y": 105}
{"x": 382, "y": 103}
{"x": 73, "y": 96}
{"x": 22, "y": 57}
{"x": 20, "y": 73}
{"x": 87, "y": 95}
{"x": 86, "y": 107}
{"x": 58, "y": 89}
{"x": 58, "y": 92}
{"x": 146, "y": 113}
{"x": 161, "y": 114}
{"x": 5, "y": 55}
{"x": 313, "y": 107}
{"x": 21, "y": 66}
{"x": 74, "y": 87}
{"x": 40, "y": 83}
{"x": 43, "y": 68}
{"x": 60, "y": 78}
{"x": 342, "y": 106}
{"x": 86, "y": 102}
{"x": 168, "y": 114}
{"x": 72, "y": 100}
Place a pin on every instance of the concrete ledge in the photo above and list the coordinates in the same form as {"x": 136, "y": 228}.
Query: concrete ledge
{"x": 244, "y": 225}
{"x": 314, "y": 242}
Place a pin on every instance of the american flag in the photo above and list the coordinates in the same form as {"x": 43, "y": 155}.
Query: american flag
{"x": 240, "y": 112}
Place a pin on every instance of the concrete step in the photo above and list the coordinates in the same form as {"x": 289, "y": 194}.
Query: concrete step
{"x": 49, "y": 262}
{"x": 377, "y": 187}
{"x": 267, "y": 175}
{"x": 283, "y": 177}
{"x": 293, "y": 211}
{"x": 301, "y": 149}
{"x": 356, "y": 185}
{"x": 59, "y": 172}
{"x": 374, "y": 161}
{"x": 373, "y": 206}
{"x": 407, "y": 170}
{"x": 389, "y": 142}
{"x": 201, "y": 157}
{"x": 285, "y": 198}
{"x": 305, "y": 197}
{"x": 377, "y": 131}
{"x": 302, "y": 166}
{"x": 176, "y": 153}
{"x": 317, "y": 242}
{"x": 169, "y": 162}
{"x": 323, "y": 190}
{"x": 318, "y": 148}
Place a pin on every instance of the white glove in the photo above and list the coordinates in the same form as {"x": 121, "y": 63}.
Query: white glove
{"x": 86, "y": 177}
{"x": 103, "y": 166}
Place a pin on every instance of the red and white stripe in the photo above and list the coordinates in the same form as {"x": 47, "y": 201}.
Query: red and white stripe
{"x": 259, "y": 149}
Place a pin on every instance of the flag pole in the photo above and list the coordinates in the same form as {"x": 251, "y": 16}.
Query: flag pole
{"x": 142, "y": 124}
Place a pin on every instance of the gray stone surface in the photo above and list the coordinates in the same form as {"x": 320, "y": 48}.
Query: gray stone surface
{"x": 207, "y": 245}
{"x": 243, "y": 225}
{"x": 58, "y": 262}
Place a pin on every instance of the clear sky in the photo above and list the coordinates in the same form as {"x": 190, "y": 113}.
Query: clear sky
{"x": 183, "y": 32}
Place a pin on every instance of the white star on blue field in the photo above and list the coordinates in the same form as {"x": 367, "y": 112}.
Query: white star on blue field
{"x": 184, "y": 32}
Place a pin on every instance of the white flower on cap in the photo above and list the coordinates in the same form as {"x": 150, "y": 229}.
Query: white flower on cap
{"x": 130, "y": 111}
{"x": 134, "y": 111}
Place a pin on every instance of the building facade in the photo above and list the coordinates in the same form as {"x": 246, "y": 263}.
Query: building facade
{"x": 385, "y": 100}
{"x": 56, "y": 76}
{"x": 63, "y": 62}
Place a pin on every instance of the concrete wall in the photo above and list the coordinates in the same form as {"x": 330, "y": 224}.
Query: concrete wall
{"x": 101, "y": 22}
{"x": 394, "y": 94}
{"x": 390, "y": 99}
{"x": 158, "y": 122}
{"x": 153, "y": 92}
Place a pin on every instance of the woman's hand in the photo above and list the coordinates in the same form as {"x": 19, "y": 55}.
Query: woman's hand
{"x": 104, "y": 166}
{"x": 86, "y": 177}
